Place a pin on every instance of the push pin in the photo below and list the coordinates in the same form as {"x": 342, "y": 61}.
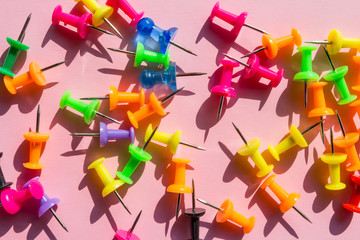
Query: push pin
{"x": 253, "y": 68}
{"x": 46, "y": 204}
{"x": 251, "y": 149}
{"x": 147, "y": 28}
{"x": 295, "y": 138}
{"x": 356, "y": 60}
{"x": 172, "y": 141}
{"x": 154, "y": 106}
{"x": 128, "y": 235}
{"x": 194, "y": 214}
{"x": 37, "y": 140}
{"x": 109, "y": 182}
{"x": 347, "y": 142}
{"x": 306, "y": 74}
{"x": 101, "y": 14}
{"x": 271, "y": 46}
{"x": 13, "y": 200}
{"x": 226, "y": 213}
{"x": 88, "y": 110}
{"x": 82, "y": 24}
{"x": 35, "y": 74}
{"x": 147, "y": 56}
{"x": 287, "y": 201}
{"x": 138, "y": 155}
{"x": 3, "y": 183}
{"x": 337, "y": 76}
{"x": 115, "y": 97}
{"x": 236, "y": 21}
{"x": 179, "y": 186}
{"x": 106, "y": 134}
{"x": 126, "y": 8}
{"x": 15, "y": 48}
{"x": 355, "y": 196}
{"x": 149, "y": 79}
{"x": 224, "y": 88}
{"x": 333, "y": 160}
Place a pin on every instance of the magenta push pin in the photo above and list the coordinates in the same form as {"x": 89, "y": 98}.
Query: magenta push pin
{"x": 3, "y": 183}
{"x": 128, "y": 235}
{"x": 126, "y": 8}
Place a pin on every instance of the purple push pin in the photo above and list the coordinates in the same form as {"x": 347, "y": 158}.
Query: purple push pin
{"x": 128, "y": 235}
{"x": 126, "y": 8}
{"x": 3, "y": 183}
{"x": 106, "y": 134}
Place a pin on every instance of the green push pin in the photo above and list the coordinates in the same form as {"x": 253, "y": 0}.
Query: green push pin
{"x": 148, "y": 56}
{"x": 15, "y": 48}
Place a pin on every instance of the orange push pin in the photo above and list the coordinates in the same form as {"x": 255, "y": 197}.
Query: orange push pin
{"x": 271, "y": 46}
{"x": 36, "y": 139}
{"x": 226, "y": 213}
{"x": 287, "y": 201}
{"x": 347, "y": 142}
{"x": 179, "y": 183}
{"x": 356, "y": 59}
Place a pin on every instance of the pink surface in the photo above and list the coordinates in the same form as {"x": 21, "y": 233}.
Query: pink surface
{"x": 258, "y": 110}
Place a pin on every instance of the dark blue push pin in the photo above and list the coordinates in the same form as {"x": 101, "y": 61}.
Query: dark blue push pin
{"x": 3, "y": 183}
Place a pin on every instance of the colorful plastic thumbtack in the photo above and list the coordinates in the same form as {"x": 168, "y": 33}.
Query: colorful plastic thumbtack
{"x": 88, "y": 110}
{"x": 355, "y": 196}
{"x": 149, "y": 79}
{"x": 236, "y": 21}
{"x": 13, "y": 200}
{"x": 106, "y": 134}
{"x": 271, "y": 46}
{"x": 194, "y": 214}
{"x": 179, "y": 186}
{"x": 128, "y": 235}
{"x": 287, "y": 201}
{"x": 82, "y": 24}
{"x": 109, "y": 182}
{"x": 35, "y": 74}
{"x": 356, "y": 60}
{"x": 172, "y": 141}
{"x": 226, "y": 213}
{"x": 117, "y": 97}
{"x": 295, "y": 138}
{"x": 101, "y": 14}
{"x": 15, "y": 48}
{"x": 147, "y": 28}
{"x": 154, "y": 106}
{"x": 224, "y": 88}
{"x": 147, "y": 56}
{"x": 251, "y": 149}
{"x": 3, "y": 183}
{"x": 126, "y": 8}
{"x": 347, "y": 142}
{"x": 253, "y": 68}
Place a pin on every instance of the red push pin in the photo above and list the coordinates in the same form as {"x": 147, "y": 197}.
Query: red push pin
{"x": 355, "y": 197}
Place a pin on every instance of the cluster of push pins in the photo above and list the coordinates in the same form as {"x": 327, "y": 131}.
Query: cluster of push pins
{"x": 153, "y": 45}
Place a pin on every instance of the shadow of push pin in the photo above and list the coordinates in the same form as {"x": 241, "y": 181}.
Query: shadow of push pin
{"x": 355, "y": 196}
{"x": 154, "y": 106}
{"x": 128, "y": 235}
{"x": 295, "y": 138}
{"x": 35, "y": 74}
{"x": 15, "y": 48}
{"x": 142, "y": 55}
{"x": 115, "y": 97}
{"x": 109, "y": 182}
{"x": 347, "y": 142}
{"x": 101, "y": 14}
{"x": 171, "y": 141}
{"x": 46, "y": 204}
{"x": 126, "y": 8}
{"x": 37, "y": 141}
{"x": 88, "y": 110}
{"x": 149, "y": 79}
{"x": 271, "y": 46}
{"x": 287, "y": 201}
{"x": 106, "y": 134}
{"x": 251, "y": 149}
{"x": 3, "y": 183}
{"x": 333, "y": 160}
{"x": 226, "y": 212}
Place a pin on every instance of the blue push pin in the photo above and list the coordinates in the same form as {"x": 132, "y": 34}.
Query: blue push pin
{"x": 149, "y": 79}
{"x": 147, "y": 28}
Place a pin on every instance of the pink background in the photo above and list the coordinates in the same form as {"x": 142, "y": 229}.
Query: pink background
{"x": 258, "y": 110}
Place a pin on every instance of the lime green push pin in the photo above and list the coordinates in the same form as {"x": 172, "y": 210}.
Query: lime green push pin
{"x": 251, "y": 149}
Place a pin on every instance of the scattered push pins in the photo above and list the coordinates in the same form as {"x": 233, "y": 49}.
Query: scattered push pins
{"x": 128, "y": 235}
{"x": 126, "y": 8}
{"x": 355, "y": 196}
{"x": 3, "y": 183}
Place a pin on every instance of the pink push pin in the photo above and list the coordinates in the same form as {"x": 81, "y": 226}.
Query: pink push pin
{"x": 82, "y": 24}
{"x": 13, "y": 200}
{"x": 126, "y": 8}
{"x": 224, "y": 88}
{"x": 128, "y": 235}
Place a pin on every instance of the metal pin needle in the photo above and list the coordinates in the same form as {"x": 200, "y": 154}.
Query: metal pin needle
{"x": 255, "y": 51}
{"x": 22, "y": 33}
{"x": 52, "y": 66}
{"x": 171, "y": 95}
{"x": 122, "y": 51}
{"x": 38, "y": 119}
{"x": 328, "y": 57}
{"x": 332, "y": 141}
{"x": 107, "y": 117}
{"x": 236, "y": 60}
{"x": 122, "y": 202}
{"x": 135, "y": 222}
{"x": 193, "y": 197}
{"x": 209, "y": 204}
{"x": 101, "y": 30}
{"x": 305, "y": 93}
{"x": 182, "y": 48}
{"x": 319, "y": 42}
{"x": 178, "y": 205}
{"x": 302, "y": 214}
{"x": 220, "y": 108}
{"x": 322, "y": 130}
{"x": 192, "y": 146}
{"x": 86, "y": 134}
{"x": 113, "y": 28}
{"x": 238, "y": 131}
{"x": 311, "y": 127}
{"x": 190, "y": 74}
{"x": 58, "y": 219}
{"x": 151, "y": 136}
{"x": 340, "y": 122}
{"x": 255, "y": 28}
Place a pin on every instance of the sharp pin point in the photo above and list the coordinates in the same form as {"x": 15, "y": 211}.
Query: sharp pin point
{"x": 22, "y": 33}
{"x": 151, "y": 136}
{"x": 101, "y": 30}
{"x": 38, "y": 119}
{"x": 122, "y": 202}
{"x": 311, "y": 127}
{"x": 182, "y": 48}
{"x": 328, "y": 57}
{"x": 302, "y": 214}
{"x": 255, "y": 28}
{"x": 256, "y": 51}
{"x": 191, "y": 145}
{"x": 58, "y": 219}
{"x": 113, "y": 28}
{"x": 236, "y": 60}
{"x": 107, "y": 117}
{"x": 178, "y": 205}
{"x": 135, "y": 222}
{"x": 340, "y": 122}
{"x": 171, "y": 95}
{"x": 220, "y": 108}
{"x": 52, "y": 66}
{"x": 238, "y": 131}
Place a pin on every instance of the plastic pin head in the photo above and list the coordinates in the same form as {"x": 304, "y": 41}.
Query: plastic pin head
{"x": 355, "y": 196}
{"x": 126, "y": 8}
